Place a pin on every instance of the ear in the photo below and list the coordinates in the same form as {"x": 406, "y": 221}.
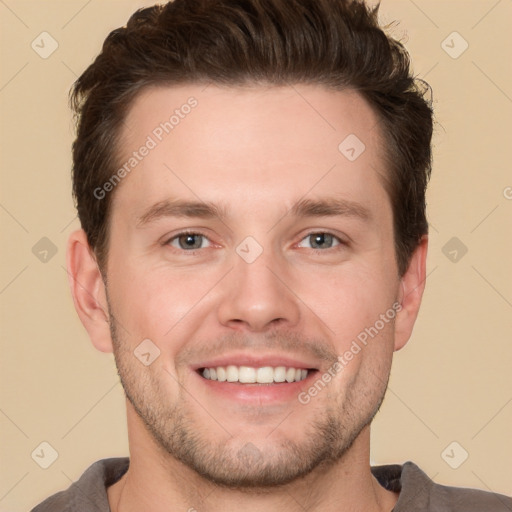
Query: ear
{"x": 88, "y": 290}
{"x": 412, "y": 286}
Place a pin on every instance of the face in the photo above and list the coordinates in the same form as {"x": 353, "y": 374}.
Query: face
{"x": 255, "y": 254}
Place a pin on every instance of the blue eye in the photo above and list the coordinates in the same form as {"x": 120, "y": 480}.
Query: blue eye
{"x": 188, "y": 241}
{"x": 320, "y": 241}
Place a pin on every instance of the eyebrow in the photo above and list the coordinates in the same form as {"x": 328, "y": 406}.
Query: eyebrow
{"x": 180, "y": 208}
{"x": 328, "y": 207}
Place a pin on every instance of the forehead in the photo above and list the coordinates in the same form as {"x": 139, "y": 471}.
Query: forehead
{"x": 259, "y": 142}
{"x": 274, "y": 114}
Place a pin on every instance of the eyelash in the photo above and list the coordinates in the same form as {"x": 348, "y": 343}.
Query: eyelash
{"x": 182, "y": 233}
{"x": 192, "y": 252}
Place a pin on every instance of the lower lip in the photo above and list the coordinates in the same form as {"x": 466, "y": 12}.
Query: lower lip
{"x": 260, "y": 393}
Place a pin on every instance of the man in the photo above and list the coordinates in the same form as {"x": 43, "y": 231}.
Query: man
{"x": 250, "y": 179}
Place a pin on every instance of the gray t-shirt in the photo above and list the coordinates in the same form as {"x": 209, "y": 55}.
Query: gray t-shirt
{"x": 418, "y": 493}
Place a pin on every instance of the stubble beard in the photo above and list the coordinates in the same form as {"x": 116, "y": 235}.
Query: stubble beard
{"x": 247, "y": 468}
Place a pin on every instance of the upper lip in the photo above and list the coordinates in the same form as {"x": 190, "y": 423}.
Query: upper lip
{"x": 257, "y": 361}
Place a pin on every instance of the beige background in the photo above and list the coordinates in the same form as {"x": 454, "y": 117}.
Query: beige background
{"x": 451, "y": 383}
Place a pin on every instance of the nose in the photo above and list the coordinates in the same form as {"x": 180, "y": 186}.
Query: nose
{"x": 258, "y": 296}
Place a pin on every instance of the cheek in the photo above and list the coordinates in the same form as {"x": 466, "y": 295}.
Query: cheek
{"x": 363, "y": 366}
{"x": 351, "y": 299}
{"x": 157, "y": 303}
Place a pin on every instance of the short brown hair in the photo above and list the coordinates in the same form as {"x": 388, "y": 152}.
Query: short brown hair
{"x": 334, "y": 43}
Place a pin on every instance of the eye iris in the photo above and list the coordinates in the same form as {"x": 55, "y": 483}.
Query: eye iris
{"x": 190, "y": 241}
{"x": 319, "y": 239}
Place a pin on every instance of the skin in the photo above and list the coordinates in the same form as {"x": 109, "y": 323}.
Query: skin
{"x": 255, "y": 152}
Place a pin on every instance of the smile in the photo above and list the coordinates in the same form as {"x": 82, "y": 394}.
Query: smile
{"x": 251, "y": 375}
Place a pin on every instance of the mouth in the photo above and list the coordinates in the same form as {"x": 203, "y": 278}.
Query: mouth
{"x": 255, "y": 379}
{"x": 255, "y": 375}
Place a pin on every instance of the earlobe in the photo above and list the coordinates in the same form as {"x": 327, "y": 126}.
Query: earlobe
{"x": 412, "y": 287}
{"x": 88, "y": 290}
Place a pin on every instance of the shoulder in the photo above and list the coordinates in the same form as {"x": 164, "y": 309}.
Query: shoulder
{"x": 89, "y": 492}
{"x": 422, "y": 493}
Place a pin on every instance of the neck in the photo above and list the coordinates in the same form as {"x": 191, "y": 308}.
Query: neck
{"x": 158, "y": 482}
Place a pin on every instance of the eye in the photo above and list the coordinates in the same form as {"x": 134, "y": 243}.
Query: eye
{"x": 320, "y": 241}
{"x": 188, "y": 241}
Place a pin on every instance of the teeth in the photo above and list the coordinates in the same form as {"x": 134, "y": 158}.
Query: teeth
{"x": 249, "y": 375}
{"x": 231, "y": 374}
{"x": 280, "y": 374}
{"x": 221, "y": 374}
{"x": 246, "y": 374}
{"x": 264, "y": 375}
